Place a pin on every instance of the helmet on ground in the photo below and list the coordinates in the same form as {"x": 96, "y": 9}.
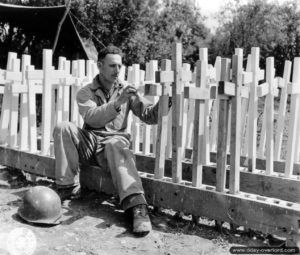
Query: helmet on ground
{"x": 41, "y": 205}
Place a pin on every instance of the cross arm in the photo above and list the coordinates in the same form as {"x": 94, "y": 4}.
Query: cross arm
{"x": 226, "y": 89}
{"x": 156, "y": 90}
{"x": 293, "y": 88}
{"x": 200, "y": 93}
{"x": 263, "y": 90}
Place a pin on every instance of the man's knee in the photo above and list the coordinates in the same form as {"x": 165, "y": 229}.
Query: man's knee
{"x": 63, "y": 127}
{"x": 116, "y": 143}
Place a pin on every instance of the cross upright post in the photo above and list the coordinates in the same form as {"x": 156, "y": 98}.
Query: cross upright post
{"x": 48, "y": 76}
{"x": 252, "y": 123}
{"x": 235, "y": 139}
{"x": 201, "y": 93}
{"x": 270, "y": 90}
{"x": 165, "y": 77}
{"x": 222, "y": 126}
{"x": 7, "y": 100}
{"x": 177, "y": 115}
{"x": 282, "y": 108}
{"x": 294, "y": 91}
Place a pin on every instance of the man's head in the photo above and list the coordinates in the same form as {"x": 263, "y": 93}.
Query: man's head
{"x": 110, "y": 63}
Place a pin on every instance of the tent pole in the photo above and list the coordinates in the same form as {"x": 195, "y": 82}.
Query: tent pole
{"x": 68, "y": 5}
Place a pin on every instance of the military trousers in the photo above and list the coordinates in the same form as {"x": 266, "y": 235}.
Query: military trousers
{"x": 73, "y": 146}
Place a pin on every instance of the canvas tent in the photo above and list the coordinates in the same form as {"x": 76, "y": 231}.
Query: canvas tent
{"x": 47, "y": 25}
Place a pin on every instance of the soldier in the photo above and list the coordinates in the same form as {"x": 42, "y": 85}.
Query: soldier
{"x": 104, "y": 106}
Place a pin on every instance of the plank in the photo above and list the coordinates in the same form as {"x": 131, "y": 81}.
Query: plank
{"x": 14, "y": 109}
{"x": 235, "y": 139}
{"x": 81, "y": 81}
{"x": 257, "y": 213}
{"x": 162, "y": 127}
{"x": 190, "y": 121}
{"x": 205, "y": 143}
{"x": 252, "y": 124}
{"x": 186, "y": 68}
{"x": 130, "y": 117}
{"x": 177, "y": 109}
{"x": 66, "y": 93}
{"x": 257, "y": 183}
{"x": 150, "y": 132}
{"x": 46, "y": 102}
{"x": 198, "y": 128}
{"x": 222, "y": 130}
{"x": 6, "y": 103}
{"x": 270, "y": 75}
{"x": 32, "y": 135}
{"x": 92, "y": 70}
{"x": 24, "y": 142}
{"x": 74, "y": 90}
{"x": 59, "y": 95}
{"x": 245, "y": 112}
{"x": 136, "y": 123}
{"x": 293, "y": 121}
{"x": 214, "y": 123}
{"x": 201, "y": 143}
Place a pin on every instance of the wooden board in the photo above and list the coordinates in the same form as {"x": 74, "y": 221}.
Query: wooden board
{"x": 255, "y": 212}
{"x": 177, "y": 109}
{"x": 6, "y": 103}
{"x": 23, "y": 142}
{"x": 235, "y": 141}
{"x": 270, "y": 75}
{"x": 162, "y": 127}
{"x": 257, "y": 183}
{"x": 252, "y": 120}
{"x": 14, "y": 109}
{"x": 222, "y": 129}
{"x": 32, "y": 124}
{"x": 294, "y": 115}
{"x": 282, "y": 110}
{"x": 46, "y": 103}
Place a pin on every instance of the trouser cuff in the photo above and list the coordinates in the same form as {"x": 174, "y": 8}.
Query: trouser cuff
{"x": 133, "y": 200}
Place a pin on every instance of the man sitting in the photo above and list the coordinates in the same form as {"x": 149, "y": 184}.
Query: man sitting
{"x": 104, "y": 106}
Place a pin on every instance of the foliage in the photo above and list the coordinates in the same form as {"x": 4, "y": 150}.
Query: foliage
{"x": 143, "y": 29}
{"x": 272, "y": 27}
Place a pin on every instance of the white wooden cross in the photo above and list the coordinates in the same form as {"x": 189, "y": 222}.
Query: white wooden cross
{"x": 282, "y": 84}
{"x": 150, "y": 132}
{"x": 79, "y": 79}
{"x": 49, "y": 76}
{"x": 257, "y": 75}
{"x": 294, "y": 91}
{"x": 201, "y": 94}
{"x": 270, "y": 90}
{"x": 164, "y": 78}
{"x": 9, "y": 101}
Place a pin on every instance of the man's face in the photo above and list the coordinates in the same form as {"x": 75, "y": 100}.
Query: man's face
{"x": 110, "y": 67}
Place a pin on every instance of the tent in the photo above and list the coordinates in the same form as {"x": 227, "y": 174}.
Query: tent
{"x": 52, "y": 27}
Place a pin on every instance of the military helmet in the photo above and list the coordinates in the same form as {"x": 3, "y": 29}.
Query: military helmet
{"x": 41, "y": 205}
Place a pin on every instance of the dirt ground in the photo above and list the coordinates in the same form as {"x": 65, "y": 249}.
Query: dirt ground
{"x": 96, "y": 225}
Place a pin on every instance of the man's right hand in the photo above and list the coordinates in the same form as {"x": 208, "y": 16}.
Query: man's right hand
{"x": 127, "y": 92}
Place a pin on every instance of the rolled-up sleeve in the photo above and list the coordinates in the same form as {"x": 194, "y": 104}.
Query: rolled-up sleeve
{"x": 143, "y": 109}
{"x": 93, "y": 115}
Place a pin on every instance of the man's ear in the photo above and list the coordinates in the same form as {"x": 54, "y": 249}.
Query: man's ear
{"x": 99, "y": 64}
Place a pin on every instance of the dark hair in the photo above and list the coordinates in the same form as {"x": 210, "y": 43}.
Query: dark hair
{"x": 110, "y": 49}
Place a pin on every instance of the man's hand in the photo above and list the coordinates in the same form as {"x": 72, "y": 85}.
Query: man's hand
{"x": 127, "y": 92}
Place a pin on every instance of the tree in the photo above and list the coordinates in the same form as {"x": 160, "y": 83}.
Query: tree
{"x": 272, "y": 27}
{"x": 143, "y": 29}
